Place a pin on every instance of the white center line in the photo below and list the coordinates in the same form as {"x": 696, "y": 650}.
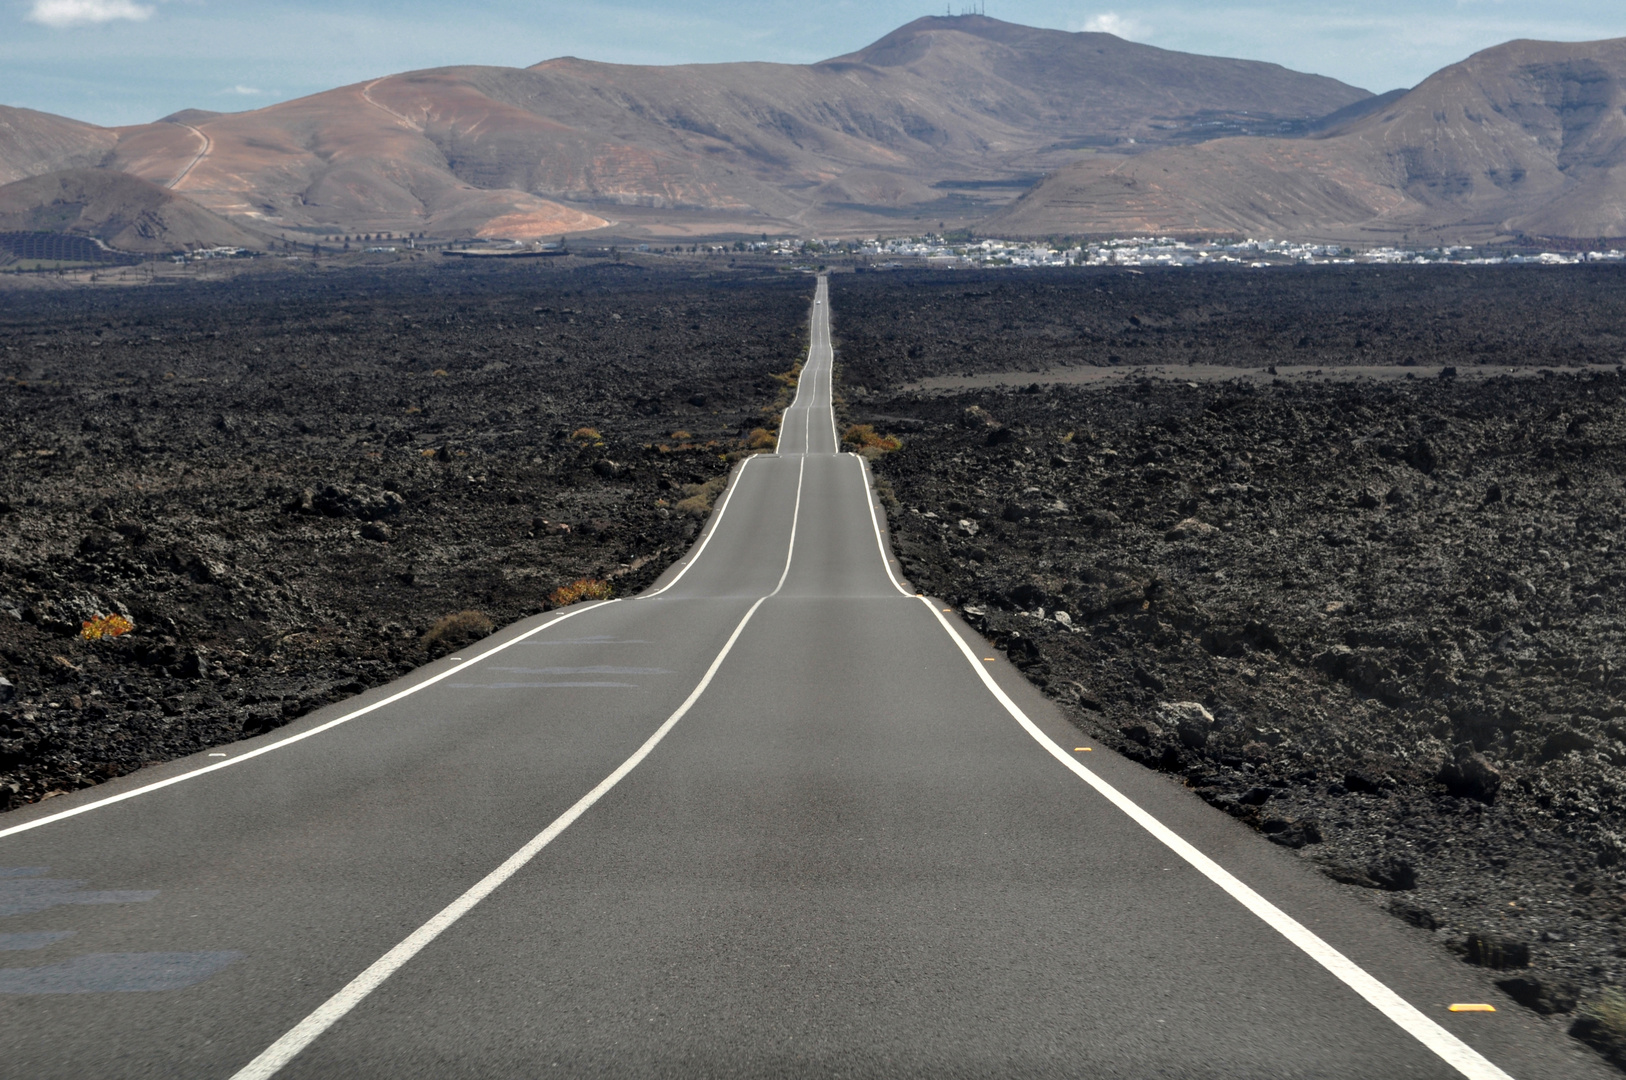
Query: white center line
{"x": 308, "y": 1030}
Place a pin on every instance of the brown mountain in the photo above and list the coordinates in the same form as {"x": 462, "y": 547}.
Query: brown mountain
{"x": 1527, "y": 139}
{"x": 34, "y": 142}
{"x": 123, "y": 211}
{"x": 929, "y": 121}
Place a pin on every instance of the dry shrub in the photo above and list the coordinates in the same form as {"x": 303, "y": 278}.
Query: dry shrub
{"x": 105, "y": 626}
{"x": 698, "y": 498}
{"x": 761, "y": 439}
{"x": 1602, "y": 1025}
{"x": 863, "y": 437}
{"x": 787, "y": 381}
{"x": 455, "y": 631}
{"x": 682, "y": 436}
{"x": 586, "y": 434}
{"x": 579, "y": 590}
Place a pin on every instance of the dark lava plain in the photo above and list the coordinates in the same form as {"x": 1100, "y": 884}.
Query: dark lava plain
{"x": 286, "y": 484}
{"x": 1379, "y": 621}
{"x": 900, "y": 327}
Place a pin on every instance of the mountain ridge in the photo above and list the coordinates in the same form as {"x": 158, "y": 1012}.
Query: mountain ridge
{"x": 858, "y": 141}
{"x": 1522, "y": 141}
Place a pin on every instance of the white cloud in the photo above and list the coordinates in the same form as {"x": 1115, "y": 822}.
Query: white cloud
{"x": 1110, "y": 22}
{"x": 60, "y": 14}
{"x": 245, "y": 91}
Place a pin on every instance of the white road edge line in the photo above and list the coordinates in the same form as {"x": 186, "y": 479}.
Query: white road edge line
{"x": 303, "y": 735}
{"x": 711, "y": 530}
{"x": 880, "y": 546}
{"x": 308, "y": 1030}
{"x": 1453, "y": 1051}
{"x": 1450, "y": 1049}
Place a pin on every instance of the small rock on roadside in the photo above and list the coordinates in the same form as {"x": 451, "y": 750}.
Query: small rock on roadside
{"x": 1191, "y": 721}
{"x": 1543, "y": 993}
{"x": 1470, "y": 775}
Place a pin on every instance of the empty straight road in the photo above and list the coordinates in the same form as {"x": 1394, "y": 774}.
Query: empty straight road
{"x": 776, "y": 817}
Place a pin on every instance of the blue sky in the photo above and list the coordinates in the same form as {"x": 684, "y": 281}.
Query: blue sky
{"x": 130, "y": 61}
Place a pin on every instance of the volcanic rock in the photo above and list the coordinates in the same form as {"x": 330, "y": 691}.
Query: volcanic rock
{"x": 1145, "y": 733}
{"x": 1398, "y": 690}
{"x": 362, "y": 502}
{"x": 1393, "y": 873}
{"x": 1190, "y": 720}
{"x": 1190, "y": 529}
{"x": 1543, "y": 993}
{"x": 1470, "y": 775}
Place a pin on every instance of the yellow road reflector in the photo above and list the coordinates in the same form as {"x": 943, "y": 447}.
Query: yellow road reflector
{"x": 990, "y": 659}
{"x": 948, "y": 609}
{"x": 1084, "y": 749}
{"x": 1473, "y": 1008}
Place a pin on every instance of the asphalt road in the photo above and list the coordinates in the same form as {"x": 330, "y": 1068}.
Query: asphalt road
{"x": 776, "y": 817}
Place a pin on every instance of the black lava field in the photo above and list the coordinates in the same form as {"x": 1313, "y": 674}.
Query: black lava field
{"x": 285, "y": 493}
{"x": 1378, "y": 620}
